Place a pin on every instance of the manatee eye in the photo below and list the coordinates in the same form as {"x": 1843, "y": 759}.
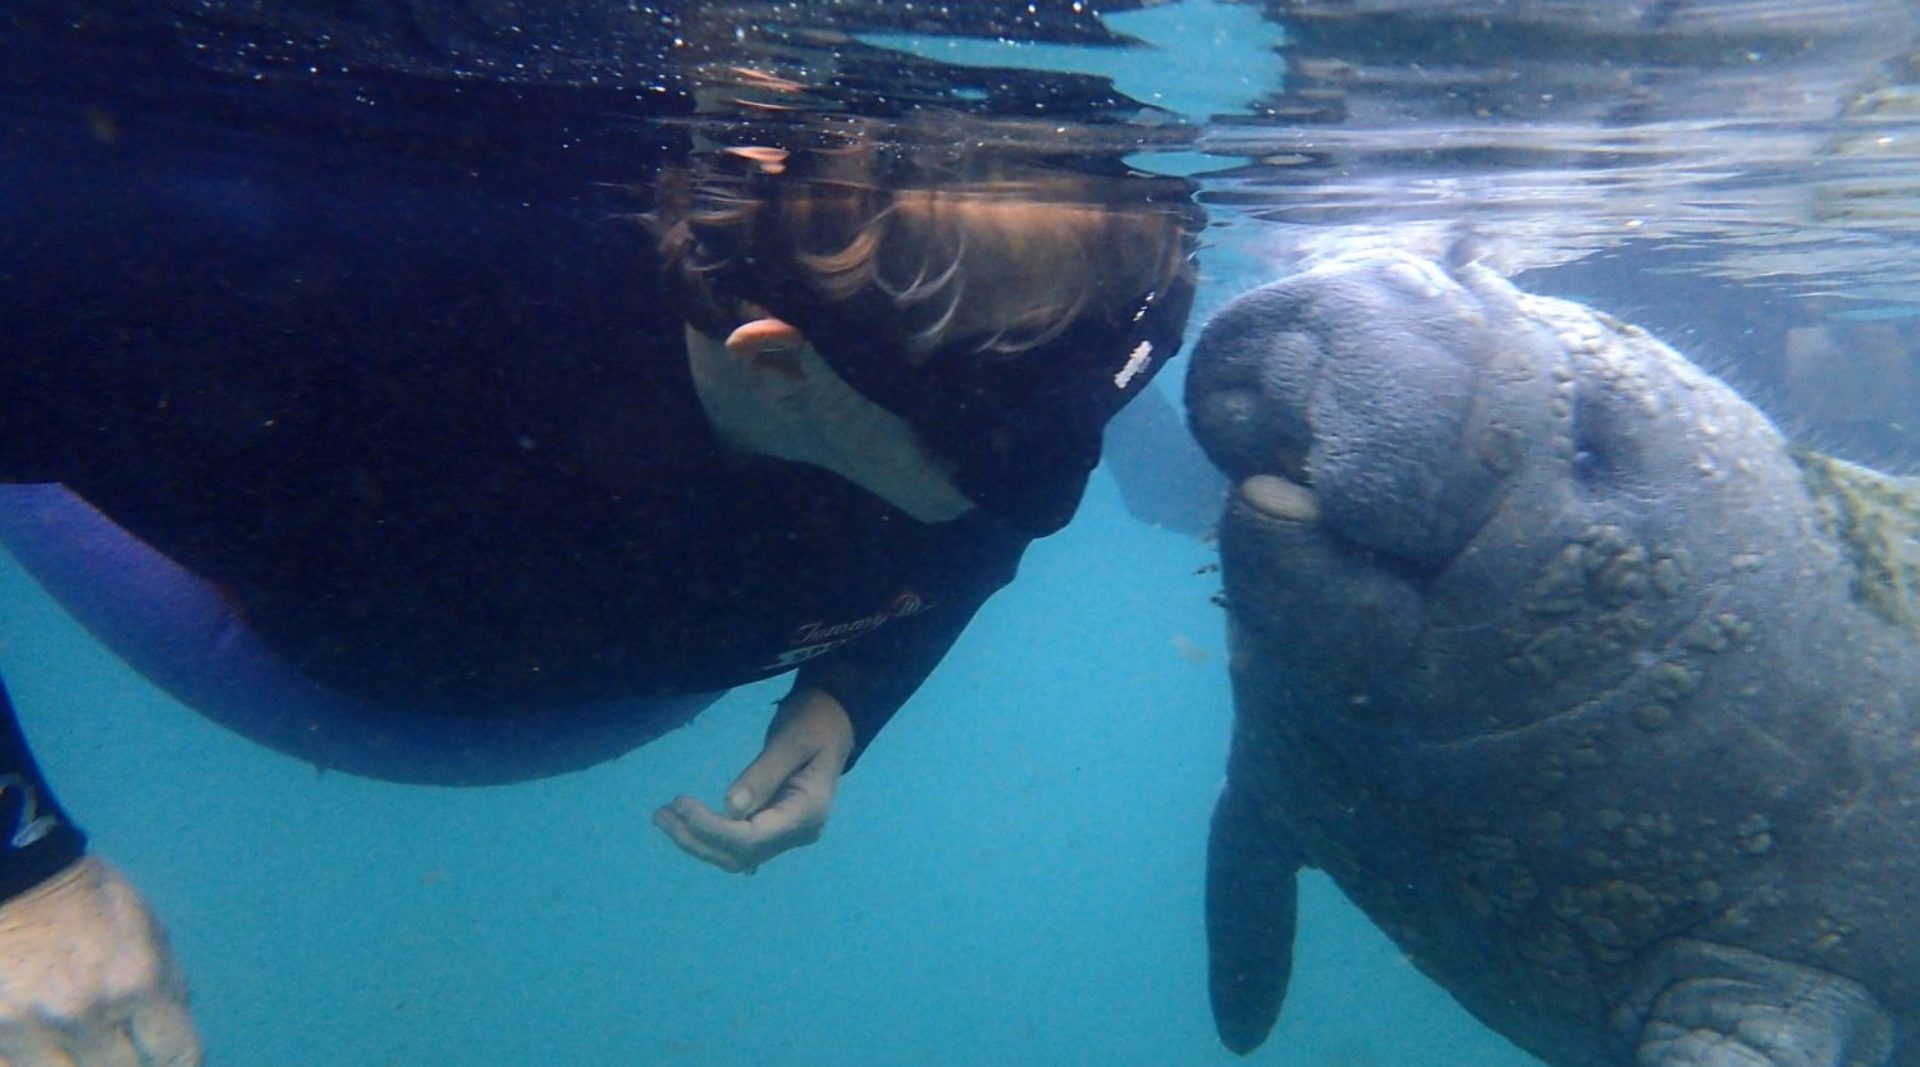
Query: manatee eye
{"x": 1605, "y": 452}
{"x": 1588, "y": 466}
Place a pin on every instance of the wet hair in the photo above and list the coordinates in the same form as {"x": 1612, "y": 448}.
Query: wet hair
{"x": 1006, "y": 310}
{"x": 965, "y": 258}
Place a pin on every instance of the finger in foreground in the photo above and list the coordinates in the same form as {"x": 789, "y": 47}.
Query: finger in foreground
{"x": 163, "y": 1032}
{"x": 28, "y": 1044}
{"x": 104, "y": 1047}
{"x": 84, "y": 1045}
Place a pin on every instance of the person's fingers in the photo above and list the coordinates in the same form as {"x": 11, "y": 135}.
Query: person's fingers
{"x": 737, "y": 845}
{"x": 793, "y": 819}
{"x": 772, "y": 768}
{"x": 780, "y": 801}
{"x": 742, "y": 839}
{"x": 675, "y": 820}
{"x": 164, "y": 1033}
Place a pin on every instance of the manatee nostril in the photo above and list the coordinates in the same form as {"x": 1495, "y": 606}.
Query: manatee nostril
{"x": 1227, "y": 423}
{"x": 1228, "y": 407}
{"x": 1239, "y": 430}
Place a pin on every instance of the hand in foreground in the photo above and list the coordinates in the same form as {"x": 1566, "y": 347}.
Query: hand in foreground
{"x": 86, "y": 979}
{"x": 781, "y": 800}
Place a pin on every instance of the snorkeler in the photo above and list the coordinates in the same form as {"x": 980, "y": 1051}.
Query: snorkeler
{"x": 509, "y": 494}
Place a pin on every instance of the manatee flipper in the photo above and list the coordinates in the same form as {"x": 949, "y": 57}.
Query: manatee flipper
{"x": 1252, "y": 901}
{"x": 1699, "y": 1004}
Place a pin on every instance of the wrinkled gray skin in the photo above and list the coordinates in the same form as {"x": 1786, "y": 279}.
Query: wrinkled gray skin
{"x": 1596, "y": 696}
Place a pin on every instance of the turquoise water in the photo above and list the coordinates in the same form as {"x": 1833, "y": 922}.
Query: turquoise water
{"x": 1012, "y": 875}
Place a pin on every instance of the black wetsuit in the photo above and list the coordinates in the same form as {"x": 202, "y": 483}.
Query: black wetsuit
{"x": 436, "y": 438}
{"x": 454, "y": 466}
{"x": 443, "y": 451}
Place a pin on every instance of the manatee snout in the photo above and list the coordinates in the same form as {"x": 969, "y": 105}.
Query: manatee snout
{"x": 1385, "y": 397}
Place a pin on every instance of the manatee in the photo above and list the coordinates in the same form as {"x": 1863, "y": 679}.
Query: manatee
{"x": 1595, "y": 693}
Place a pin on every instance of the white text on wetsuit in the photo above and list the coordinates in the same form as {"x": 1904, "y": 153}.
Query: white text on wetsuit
{"x": 812, "y": 639}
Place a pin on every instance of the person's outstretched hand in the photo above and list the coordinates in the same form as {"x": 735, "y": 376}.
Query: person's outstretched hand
{"x": 86, "y": 979}
{"x": 781, "y": 800}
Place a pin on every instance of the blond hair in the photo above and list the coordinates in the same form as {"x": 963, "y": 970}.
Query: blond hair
{"x": 988, "y": 262}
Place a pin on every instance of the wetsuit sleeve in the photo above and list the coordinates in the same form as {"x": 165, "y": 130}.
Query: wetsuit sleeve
{"x": 37, "y": 840}
{"x": 874, "y": 676}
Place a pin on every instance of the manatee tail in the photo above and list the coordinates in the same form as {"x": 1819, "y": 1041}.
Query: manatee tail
{"x": 1252, "y": 901}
